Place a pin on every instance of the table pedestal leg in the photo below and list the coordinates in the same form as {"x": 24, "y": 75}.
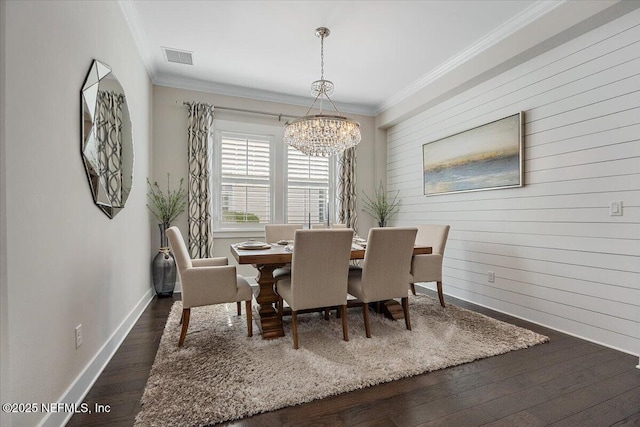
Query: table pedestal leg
{"x": 268, "y": 319}
{"x": 391, "y": 309}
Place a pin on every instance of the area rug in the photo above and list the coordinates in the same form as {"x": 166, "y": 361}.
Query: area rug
{"x": 220, "y": 374}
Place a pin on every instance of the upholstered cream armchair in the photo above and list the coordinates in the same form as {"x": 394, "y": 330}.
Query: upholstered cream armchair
{"x": 428, "y": 268}
{"x": 385, "y": 270}
{"x": 319, "y": 271}
{"x": 207, "y": 281}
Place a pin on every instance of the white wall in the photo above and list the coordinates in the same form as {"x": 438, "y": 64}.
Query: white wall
{"x": 67, "y": 262}
{"x": 170, "y": 148}
{"x": 559, "y": 258}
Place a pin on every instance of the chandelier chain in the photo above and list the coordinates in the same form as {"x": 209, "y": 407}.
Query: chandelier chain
{"x": 334, "y": 105}
{"x": 322, "y": 57}
{"x": 314, "y": 103}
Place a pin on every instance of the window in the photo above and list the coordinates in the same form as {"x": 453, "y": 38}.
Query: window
{"x": 245, "y": 175}
{"x": 308, "y": 186}
{"x": 258, "y": 179}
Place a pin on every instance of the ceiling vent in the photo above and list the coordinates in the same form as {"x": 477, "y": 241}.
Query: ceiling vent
{"x": 178, "y": 56}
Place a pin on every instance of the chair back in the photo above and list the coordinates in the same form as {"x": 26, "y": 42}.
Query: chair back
{"x": 387, "y": 262}
{"x": 320, "y": 268}
{"x": 275, "y": 232}
{"x": 323, "y": 225}
{"x": 179, "y": 249}
{"x": 434, "y": 236}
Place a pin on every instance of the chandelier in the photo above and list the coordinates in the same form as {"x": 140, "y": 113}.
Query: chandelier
{"x": 322, "y": 134}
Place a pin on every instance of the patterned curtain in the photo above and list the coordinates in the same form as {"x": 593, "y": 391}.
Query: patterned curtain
{"x": 200, "y": 125}
{"x": 109, "y": 136}
{"x": 347, "y": 189}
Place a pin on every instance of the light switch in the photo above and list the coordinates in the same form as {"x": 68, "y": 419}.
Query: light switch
{"x": 616, "y": 209}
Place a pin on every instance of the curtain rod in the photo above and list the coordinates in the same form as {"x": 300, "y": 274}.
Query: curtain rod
{"x": 242, "y": 110}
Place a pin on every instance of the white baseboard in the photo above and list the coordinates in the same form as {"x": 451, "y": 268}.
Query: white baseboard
{"x": 621, "y": 350}
{"x": 83, "y": 383}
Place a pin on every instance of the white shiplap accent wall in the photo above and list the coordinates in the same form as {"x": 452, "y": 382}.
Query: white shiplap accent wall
{"x": 559, "y": 258}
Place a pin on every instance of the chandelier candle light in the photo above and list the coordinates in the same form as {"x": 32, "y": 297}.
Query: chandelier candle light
{"x": 322, "y": 134}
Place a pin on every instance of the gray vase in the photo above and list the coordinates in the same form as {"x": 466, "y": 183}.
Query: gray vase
{"x": 164, "y": 267}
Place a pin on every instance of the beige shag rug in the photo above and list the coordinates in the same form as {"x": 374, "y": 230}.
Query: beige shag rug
{"x": 221, "y": 374}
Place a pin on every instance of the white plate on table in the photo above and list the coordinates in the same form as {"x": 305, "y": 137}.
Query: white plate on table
{"x": 253, "y": 245}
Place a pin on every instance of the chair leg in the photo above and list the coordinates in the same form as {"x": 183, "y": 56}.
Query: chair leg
{"x": 405, "y": 309}
{"x": 185, "y": 324}
{"x": 247, "y": 308}
{"x": 294, "y": 320}
{"x": 181, "y": 317}
{"x": 365, "y": 312}
{"x": 239, "y": 308}
{"x": 326, "y": 313}
{"x": 280, "y": 307}
{"x": 413, "y": 288}
{"x": 345, "y": 326}
{"x": 440, "y": 293}
{"x": 278, "y": 303}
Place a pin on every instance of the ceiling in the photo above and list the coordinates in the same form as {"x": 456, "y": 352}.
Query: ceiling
{"x": 378, "y": 52}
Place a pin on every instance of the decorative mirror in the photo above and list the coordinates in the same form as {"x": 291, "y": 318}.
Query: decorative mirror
{"x": 107, "y": 142}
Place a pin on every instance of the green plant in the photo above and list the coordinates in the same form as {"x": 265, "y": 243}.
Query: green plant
{"x": 380, "y": 207}
{"x": 166, "y": 207}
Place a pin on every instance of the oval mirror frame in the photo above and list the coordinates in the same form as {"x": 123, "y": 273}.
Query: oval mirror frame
{"x": 107, "y": 139}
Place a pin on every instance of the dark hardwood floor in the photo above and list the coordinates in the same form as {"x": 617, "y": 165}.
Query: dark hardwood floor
{"x": 566, "y": 382}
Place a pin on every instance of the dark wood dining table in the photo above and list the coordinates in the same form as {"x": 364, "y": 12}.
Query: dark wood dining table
{"x": 266, "y": 261}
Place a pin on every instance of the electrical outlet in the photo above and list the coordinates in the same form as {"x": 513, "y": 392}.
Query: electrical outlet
{"x": 79, "y": 335}
{"x": 615, "y": 209}
{"x": 491, "y": 276}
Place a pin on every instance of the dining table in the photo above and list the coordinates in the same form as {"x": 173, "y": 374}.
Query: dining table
{"x": 267, "y": 258}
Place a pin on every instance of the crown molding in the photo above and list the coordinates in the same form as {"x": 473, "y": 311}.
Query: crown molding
{"x": 135, "y": 26}
{"x": 522, "y": 20}
{"x": 250, "y": 93}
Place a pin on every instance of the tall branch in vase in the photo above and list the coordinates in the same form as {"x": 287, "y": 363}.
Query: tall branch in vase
{"x": 165, "y": 207}
{"x": 380, "y": 206}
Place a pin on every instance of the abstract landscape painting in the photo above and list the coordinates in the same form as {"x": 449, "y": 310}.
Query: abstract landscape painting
{"x": 483, "y": 158}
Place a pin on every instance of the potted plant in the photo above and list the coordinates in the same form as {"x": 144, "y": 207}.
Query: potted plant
{"x": 380, "y": 207}
{"x": 165, "y": 207}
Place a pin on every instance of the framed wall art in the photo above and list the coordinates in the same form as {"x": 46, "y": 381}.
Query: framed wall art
{"x": 486, "y": 157}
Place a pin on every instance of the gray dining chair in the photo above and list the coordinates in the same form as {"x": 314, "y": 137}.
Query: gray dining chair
{"x": 207, "y": 281}
{"x": 428, "y": 268}
{"x": 276, "y": 232}
{"x": 385, "y": 270}
{"x": 319, "y": 272}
